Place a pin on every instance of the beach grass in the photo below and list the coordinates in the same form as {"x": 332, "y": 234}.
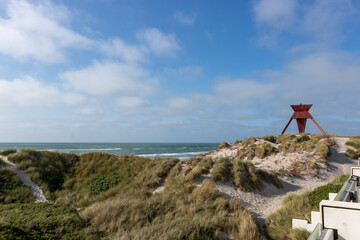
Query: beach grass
{"x": 279, "y": 224}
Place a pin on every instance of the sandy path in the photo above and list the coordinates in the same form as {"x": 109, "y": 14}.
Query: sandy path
{"x": 267, "y": 201}
{"x": 40, "y": 197}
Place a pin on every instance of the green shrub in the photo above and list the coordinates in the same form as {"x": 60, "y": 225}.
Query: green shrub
{"x": 48, "y": 169}
{"x": 102, "y": 183}
{"x": 2, "y": 163}
{"x": 322, "y": 193}
{"x": 12, "y": 190}
{"x": 221, "y": 170}
{"x": 262, "y": 150}
{"x": 43, "y": 221}
{"x": 7, "y": 152}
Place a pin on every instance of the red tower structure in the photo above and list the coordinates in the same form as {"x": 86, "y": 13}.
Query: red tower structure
{"x": 301, "y": 114}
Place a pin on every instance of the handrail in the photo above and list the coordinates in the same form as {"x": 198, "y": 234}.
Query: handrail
{"x": 315, "y": 234}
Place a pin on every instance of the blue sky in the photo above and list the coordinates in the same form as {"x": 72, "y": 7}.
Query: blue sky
{"x": 175, "y": 71}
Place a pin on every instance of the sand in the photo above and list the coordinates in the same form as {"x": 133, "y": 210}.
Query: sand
{"x": 40, "y": 197}
{"x": 263, "y": 203}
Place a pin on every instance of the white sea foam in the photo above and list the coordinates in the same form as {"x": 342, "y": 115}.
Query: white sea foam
{"x": 180, "y": 155}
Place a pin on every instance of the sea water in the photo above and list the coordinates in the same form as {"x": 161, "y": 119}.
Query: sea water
{"x": 151, "y": 150}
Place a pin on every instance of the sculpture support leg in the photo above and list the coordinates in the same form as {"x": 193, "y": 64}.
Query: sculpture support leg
{"x": 318, "y": 126}
{"x": 287, "y": 126}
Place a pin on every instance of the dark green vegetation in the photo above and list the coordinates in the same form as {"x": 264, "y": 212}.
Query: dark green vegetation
{"x": 278, "y": 224}
{"x": 47, "y": 169}
{"x": 222, "y": 170}
{"x": 355, "y": 143}
{"x": 117, "y": 200}
{"x": 246, "y": 178}
{"x": 12, "y": 190}
{"x": 7, "y": 152}
{"x": 37, "y": 221}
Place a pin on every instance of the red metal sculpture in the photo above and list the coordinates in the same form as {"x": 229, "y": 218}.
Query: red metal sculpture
{"x": 301, "y": 114}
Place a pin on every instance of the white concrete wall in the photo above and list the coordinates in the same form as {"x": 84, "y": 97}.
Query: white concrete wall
{"x": 342, "y": 216}
{"x": 355, "y": 171}
{"x": 304, "y": 224}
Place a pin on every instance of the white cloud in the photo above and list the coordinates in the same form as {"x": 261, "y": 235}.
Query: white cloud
{"x": 106, "y": 78}
{"x": 276, "y": 13}
{"x": 330, "y": 80}
{"x": 185, "y": 73}
{"x": 179, "y": 103}
{"x": 118, "y": 48}
{"x": 36, "y": 31}
{"x": 27, "y": 91}
{"x": 89, "y": 111}
{"x": 157, "y": 42}
{"x": 187, "y": 19}
{"x": 131, "y": 102}
{"x": 323, "y": 20}
{"x": 241, "y": 92}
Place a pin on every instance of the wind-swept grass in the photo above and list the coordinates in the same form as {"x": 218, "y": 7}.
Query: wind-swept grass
{"x": 305, "y": 142}
{"x": 181, "y": 211}
{"x": 222, "y": 170}
{"x": 247, "y": 178}
{"x": 262, "y": 150}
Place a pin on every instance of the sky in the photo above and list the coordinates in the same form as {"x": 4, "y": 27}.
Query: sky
{"x": 175, "y": 71}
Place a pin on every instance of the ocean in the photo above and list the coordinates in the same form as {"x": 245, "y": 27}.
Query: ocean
{"x": 178, "y": 150}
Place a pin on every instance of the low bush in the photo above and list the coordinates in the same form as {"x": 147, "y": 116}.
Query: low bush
{"x": 42, "y": 221}
{"x": 7, "y": 152}
{"x": 48, "y": 169}
{"x": 12, "y": 190}
{"x": 222, "y": 170}
{"x": 102, "y": 183}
